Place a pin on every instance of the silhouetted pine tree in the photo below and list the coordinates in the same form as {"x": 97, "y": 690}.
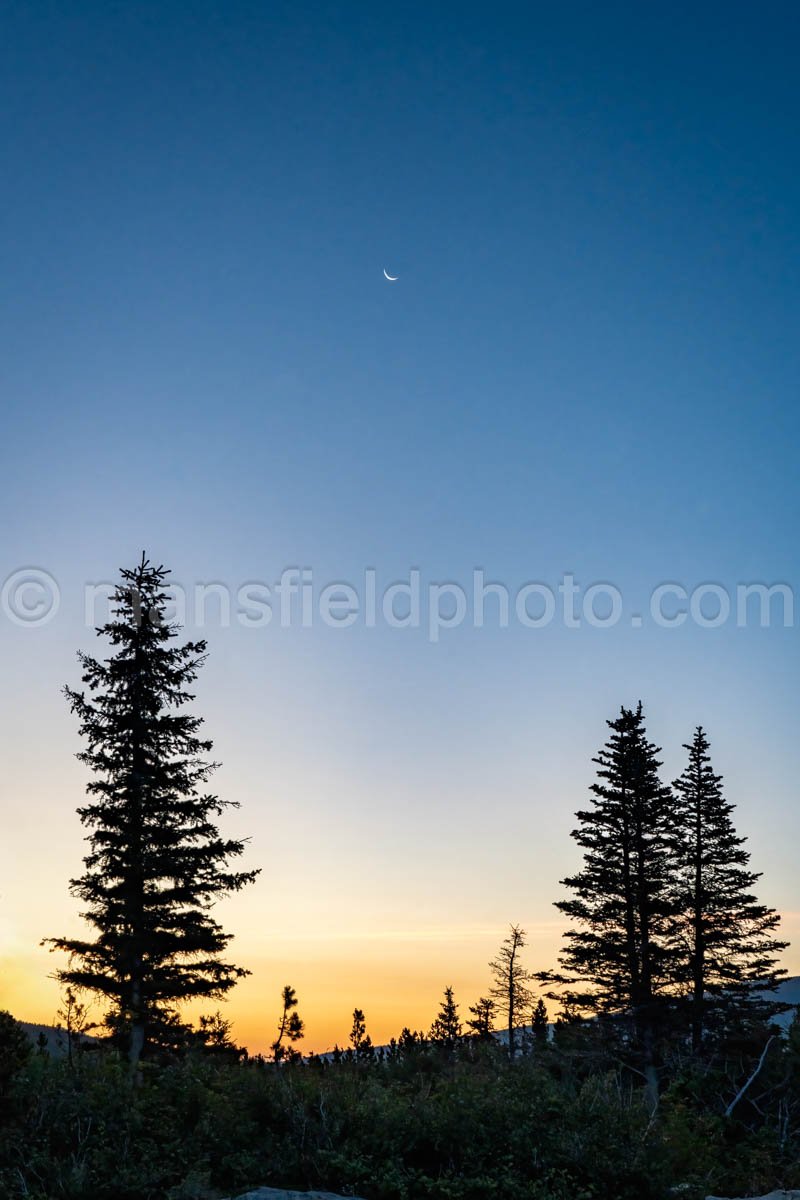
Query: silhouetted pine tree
{"x": 446, "y": 1029}
{"x": 361, "y": 1048}
{"x": 213, "y": 1036}
{"x": 157, "y": 861}
{"x": 76, "y": 1020}
{"x": 511, "y": 990}
{"x": 539, "y": 1022}
{"x": 620, "y": 956}
{"x": 726, "y": 936}
{"x": 410, "y": 1043}
{"x": 291, "y": 1029}
{"x": 481, "y": 1022}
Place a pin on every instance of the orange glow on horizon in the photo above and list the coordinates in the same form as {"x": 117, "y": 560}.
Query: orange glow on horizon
{"x": 397, "y": 978}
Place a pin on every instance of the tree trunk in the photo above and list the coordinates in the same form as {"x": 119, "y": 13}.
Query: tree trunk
{"x": 137, "y": 1031}
{"x": 698, "y": 963}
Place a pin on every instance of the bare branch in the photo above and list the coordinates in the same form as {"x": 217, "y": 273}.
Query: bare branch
{"x": 754, "y": 1075}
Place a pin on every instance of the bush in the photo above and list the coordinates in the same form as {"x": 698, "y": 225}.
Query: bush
{"x": 15, "y": 1050}
{"x": 414, "y": 1128}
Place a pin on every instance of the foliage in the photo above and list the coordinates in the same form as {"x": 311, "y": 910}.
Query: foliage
{"x": 414, "y": 1126}
{"x": 15, "y": 1050}
{"x": 76, "y": 1018}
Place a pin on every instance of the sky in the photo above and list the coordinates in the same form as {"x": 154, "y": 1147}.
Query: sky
{"x": 586, "y": 370}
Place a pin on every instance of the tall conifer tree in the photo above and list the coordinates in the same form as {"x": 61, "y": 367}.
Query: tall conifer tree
{"x": 619, "y": 958}
{"x": 726, "y": 936}
{"x": 157, "y": 862}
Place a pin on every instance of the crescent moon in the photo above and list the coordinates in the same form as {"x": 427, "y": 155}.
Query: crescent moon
{"x": 391, "y": 278}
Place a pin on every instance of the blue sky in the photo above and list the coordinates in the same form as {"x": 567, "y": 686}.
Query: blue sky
{"x": 588, "y": 364}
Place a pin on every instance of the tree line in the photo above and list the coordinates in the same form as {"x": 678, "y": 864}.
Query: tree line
{"x": 667, "y": 943}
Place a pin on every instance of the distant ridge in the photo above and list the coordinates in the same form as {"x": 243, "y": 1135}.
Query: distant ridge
{"x": 55, "y": 1036}
{"x": 788, "y": 992}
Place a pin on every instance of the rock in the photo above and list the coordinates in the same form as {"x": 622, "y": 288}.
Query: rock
{"x": 268, "y": 1193}
{"x": 794, "y": 1195}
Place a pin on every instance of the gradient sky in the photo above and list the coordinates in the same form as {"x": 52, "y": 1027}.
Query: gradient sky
{"x": 588, "y": 364}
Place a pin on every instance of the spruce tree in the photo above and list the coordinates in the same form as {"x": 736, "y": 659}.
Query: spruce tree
{"x": 213, "y": 1037}
{"x": 539, "y": 1023}
{"x": 481, "y": 1023}
{"x": 731, "y": 956}
{"x": 157, "y": 862}
{"x": 511, "y": 990}
{"x": 446, "y": 1029}
{"x": 619, "y": 956}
